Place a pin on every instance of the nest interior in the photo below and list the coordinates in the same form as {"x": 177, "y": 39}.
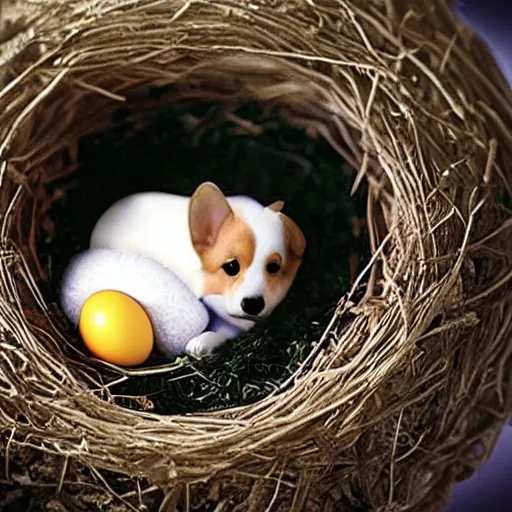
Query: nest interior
{"x": 406, "y": 381}
{"x": 245, "y": 150}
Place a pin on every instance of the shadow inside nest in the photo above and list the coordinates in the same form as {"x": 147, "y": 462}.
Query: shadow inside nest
{"x": 249, "y": 152}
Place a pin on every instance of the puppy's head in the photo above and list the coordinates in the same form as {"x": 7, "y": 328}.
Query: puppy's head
{"x": 250, "y": 254}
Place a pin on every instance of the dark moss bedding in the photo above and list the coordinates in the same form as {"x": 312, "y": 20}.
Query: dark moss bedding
{"x": 173, "y": 154}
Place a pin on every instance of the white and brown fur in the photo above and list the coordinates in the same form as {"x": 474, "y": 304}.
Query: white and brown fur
{"x": 195, "y": 237}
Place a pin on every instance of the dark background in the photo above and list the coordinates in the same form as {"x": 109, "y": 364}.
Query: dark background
{"x": 490, "y": 489}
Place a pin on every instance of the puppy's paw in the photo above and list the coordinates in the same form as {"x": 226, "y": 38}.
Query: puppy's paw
{"x": 204, "y": 345}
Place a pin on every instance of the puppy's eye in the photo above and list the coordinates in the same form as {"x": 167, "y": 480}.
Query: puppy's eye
{"x": 231, "y": 268}
{"x": 273, "y": 267}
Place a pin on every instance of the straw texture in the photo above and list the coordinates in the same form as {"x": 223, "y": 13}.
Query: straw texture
{"x": 409, "y": 379}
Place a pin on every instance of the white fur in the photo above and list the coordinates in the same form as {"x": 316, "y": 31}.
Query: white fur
{"x": 176, "y": 314}
{"x": 269, "y": 236}
{"x": 155, "y": 224}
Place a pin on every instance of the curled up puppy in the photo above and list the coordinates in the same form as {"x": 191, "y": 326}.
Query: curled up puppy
{"x": 238, "y": 256}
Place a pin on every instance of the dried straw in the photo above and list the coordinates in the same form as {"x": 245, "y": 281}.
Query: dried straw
{"x": 405, "y": 383}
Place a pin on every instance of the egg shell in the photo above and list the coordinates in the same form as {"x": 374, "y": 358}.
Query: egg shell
{"x": 176, "y": 314}
{"x": 116, "y": 328}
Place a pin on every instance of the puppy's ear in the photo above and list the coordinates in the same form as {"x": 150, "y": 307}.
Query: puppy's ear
{"x": 276, "y": 206}
{"x": 295, "y": 238}
{"x": 208, "y": 210}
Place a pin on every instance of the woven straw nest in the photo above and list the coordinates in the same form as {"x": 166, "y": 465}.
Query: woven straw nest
{"x": 410, "y": 383}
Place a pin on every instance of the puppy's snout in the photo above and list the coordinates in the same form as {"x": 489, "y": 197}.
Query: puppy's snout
{"x": 253, "y": 305}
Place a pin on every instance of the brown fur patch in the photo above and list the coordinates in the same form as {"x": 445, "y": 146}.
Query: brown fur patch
{"x": 295, "y": 238}
{"x": 290, "y": 268}
{"x": 281, "y": 282}
{"x": 235, "y": 240}
{"x": 295, "y": 247}
{"x": 274, "y": 281}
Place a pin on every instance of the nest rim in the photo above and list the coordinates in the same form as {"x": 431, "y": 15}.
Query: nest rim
{"x": 229, "y": 72}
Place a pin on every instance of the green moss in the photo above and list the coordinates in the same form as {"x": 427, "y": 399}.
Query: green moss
{"x": 280, "y": 163}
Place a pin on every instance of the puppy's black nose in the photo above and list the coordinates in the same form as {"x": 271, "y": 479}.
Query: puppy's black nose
{"x": 253, "y": 305}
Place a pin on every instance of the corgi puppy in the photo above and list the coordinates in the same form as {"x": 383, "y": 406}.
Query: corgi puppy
{"x": 236, "y": 255}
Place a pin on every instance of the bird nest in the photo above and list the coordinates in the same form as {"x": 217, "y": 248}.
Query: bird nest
{"x": 409, "y": 384}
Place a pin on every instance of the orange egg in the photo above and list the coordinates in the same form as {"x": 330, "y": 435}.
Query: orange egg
{"x": 116, "y": 328}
